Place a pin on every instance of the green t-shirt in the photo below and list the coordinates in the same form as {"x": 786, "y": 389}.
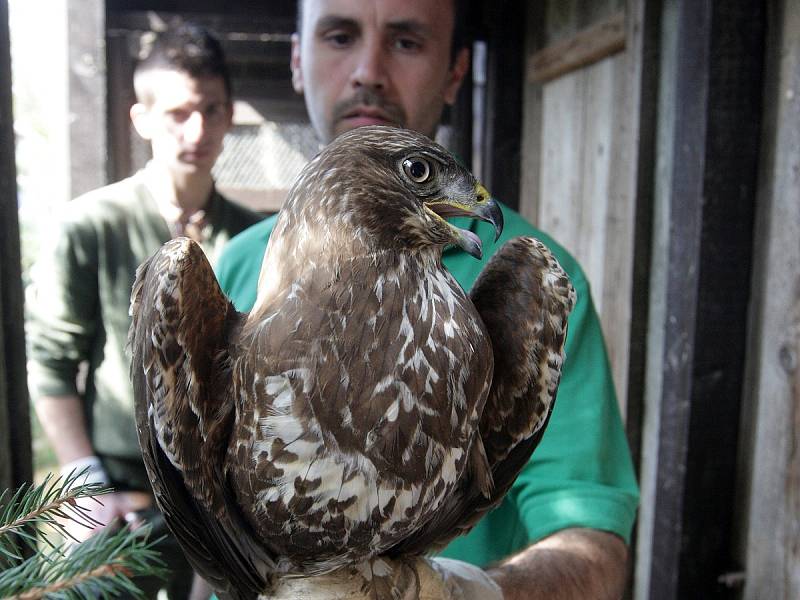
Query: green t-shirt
{"x": 581, "y": 475}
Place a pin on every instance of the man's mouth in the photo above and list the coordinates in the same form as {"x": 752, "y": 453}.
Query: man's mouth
{"x": 366, "y": 107}
{"x": 195, "y": 154}
{"x": 367, "y": 115}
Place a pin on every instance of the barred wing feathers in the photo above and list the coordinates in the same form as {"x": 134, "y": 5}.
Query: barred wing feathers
{"x": 524, "y": 298}
{"x": 181, "y": 321}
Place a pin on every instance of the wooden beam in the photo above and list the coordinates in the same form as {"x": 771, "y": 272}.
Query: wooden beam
{"x": 88, "y": 138}
{"x": 15, "y": 440}
{"x": 711, "y": 101}
{"x": 588, "y": 46}
{"x": 503, "y": 116}
{"x": 678, "y": 199}
{"x": 771, "y": 485}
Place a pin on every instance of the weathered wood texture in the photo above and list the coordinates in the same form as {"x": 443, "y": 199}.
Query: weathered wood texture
{"x": 87, "y": 95}
{"x": 579, "y": 165}
{"x": 121, "y": 96}
{"x": 15, "y": 441}
{"x": 644, "y": 21}
{"x": 705, "y": 197}
{"x": 729, "y": 200}
{"x": 588, "y": 46}
{"x": 502, "y": 131}
{"x": 672, "y": 325}
{"x": 772, "y": 409}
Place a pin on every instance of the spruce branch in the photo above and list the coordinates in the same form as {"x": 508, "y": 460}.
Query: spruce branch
{"x": 101, "y": 567}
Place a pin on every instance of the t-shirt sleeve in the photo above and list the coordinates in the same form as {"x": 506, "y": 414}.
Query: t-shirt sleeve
{"x": 581, "y": 475}
{"x": 62, "y": 315}
{"x": 239, "y": 264}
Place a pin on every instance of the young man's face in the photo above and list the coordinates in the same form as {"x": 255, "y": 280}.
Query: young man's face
{"x": 386, "y": 62}
{"x": 186, "y": 120}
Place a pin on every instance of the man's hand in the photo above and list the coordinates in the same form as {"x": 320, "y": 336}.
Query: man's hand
{"x": 110, "y": 510}
{"x": 460, "y": 581}
{"x": 571, "y": 564}
{"x": 63, "y": 422}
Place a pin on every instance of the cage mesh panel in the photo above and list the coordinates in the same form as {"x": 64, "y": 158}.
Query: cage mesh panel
{"x": 267, "y": 156}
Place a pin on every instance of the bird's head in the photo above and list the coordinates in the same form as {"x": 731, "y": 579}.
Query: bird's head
{"x": 395, "y": 188}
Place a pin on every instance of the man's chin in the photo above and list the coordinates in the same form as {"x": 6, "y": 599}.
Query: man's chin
{"x": 192, "y": 162}
{"x": 350, "y": 123}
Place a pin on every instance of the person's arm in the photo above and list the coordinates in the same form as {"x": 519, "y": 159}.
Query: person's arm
{"x": 63, "y": 424}
{"x": 570, "y": 564}
{"x": 61, "y": 320}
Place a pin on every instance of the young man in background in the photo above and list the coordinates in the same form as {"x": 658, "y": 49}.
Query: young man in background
{"x": 79, "y": 298}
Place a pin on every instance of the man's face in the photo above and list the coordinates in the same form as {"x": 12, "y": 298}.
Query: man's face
{"x": 186, "y": 120}
{"x": 377, "y": 62}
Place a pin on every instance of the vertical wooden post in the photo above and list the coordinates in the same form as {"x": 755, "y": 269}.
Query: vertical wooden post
{"x": 15, "y": 440}
{"x": 504, "y": 82}
{"x": 710, "y": 91}
{"x": 87, "y": 95}
{"x": 771, "y": 484}
{"x": 681, "y": 214}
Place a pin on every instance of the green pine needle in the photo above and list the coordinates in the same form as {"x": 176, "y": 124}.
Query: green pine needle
{"x": 103, "y": 566}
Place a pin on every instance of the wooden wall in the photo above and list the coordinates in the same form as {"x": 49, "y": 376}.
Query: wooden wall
{"x": 15, "y": 441}
{"x": 579, "y": 149}
{"x": 770, "y": 488}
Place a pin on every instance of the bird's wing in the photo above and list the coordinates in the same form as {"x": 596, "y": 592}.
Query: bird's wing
{"x": 524, "y": 298}
{"x": 184, "y": 412}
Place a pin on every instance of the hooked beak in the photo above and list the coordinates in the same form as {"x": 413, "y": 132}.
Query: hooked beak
{"x": 479, "y": 205}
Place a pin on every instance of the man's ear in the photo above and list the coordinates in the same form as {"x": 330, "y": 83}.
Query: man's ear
{"x": 456, "y": 76}
{"x": 142, "y": 121}
{"x": 294, "y": 64}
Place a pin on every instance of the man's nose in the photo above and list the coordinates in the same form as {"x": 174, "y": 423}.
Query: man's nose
{"x": 370, "y": 68}
{"x": 194, "y": 127}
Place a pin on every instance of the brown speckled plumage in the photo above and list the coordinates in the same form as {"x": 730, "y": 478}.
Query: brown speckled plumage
{"x": 359, "y": 409}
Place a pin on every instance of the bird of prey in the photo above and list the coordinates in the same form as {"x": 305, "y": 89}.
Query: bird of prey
{"x": 366, "y": 406}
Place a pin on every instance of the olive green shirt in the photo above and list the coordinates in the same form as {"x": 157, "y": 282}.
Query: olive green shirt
{"x": 78, "y": 301}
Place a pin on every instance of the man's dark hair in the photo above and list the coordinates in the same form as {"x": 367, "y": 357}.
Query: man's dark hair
{"x": 185, "y": 47}
{"x": 461, "y": 29}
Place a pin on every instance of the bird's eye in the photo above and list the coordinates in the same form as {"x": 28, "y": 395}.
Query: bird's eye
{"x": 417, "y": 170}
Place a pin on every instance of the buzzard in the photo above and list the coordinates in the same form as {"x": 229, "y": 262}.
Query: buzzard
{"x": 366, "y": 407}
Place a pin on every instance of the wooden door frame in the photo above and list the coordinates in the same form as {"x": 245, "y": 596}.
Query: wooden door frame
{"x": 16, "y": 464}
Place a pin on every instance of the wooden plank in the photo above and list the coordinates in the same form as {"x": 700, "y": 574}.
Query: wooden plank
{"x": 632, "y": 111}
{"x": 642, "y": 89}
{"x": 121, "y": 97}
{"x": 640, "y": 101}
{"x": 772, "y": 483}
{"x": 585, "y": 199}
{"x": 577, "y": 140}
{"x": 579, "y": 173}
{"x": 505, "y": 75}
{"x": 15, "y": 446}
{"x": 531, "y": 143}
{"x": 725, "y": 266}
{"x": 588, "y": 46}
{"x": 672, "y": 326}
{"x": 87, "y": 95}
{"x": 711, "y": 99}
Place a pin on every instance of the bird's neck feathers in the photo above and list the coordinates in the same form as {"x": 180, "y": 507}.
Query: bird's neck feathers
{"x": 333, "y": 223}
{"x": 300, "y": 251}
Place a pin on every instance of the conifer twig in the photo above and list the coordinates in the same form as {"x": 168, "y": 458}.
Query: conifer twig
{"x": 102, "y": 566}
